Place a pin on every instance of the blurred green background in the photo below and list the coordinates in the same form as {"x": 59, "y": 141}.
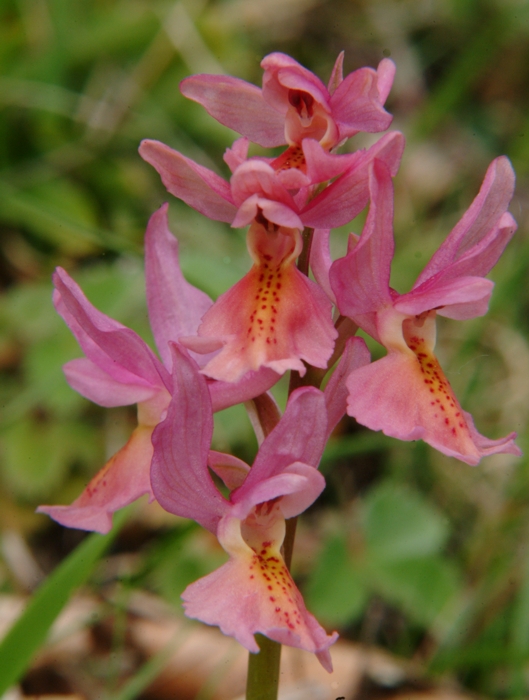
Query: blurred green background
{"x": 406, "y": 549}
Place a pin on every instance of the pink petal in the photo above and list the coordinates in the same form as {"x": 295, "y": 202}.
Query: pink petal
{"x": 408, "y": 397}
{"x": 478, "y": 260}
{"x": 299, "y": 436}
{"x": 472, "y": 291}
{"x": 487, "y": 447}
{"x": 226, "y": 394}
{"x": 254, "y": 593}
{"x": 257, "y": 177}
{"x": 337, "y": 74}
{"x": 347, "y": 196}
{"x": 310, "y": 485}
{"x": 275, "y": 212}
{"x": 385, "y": 75}
{"x": 360, "y": 280}
{"x": 483, "y": 215}
{"x": 117, "y": 350}
{"x": 293, "y": 179}
{"x": 197, "y": 186}
{"x": 296, "y": 487}
{"x": 179, "y": 474}
{"x": 237, "y": 154}
{"x": 294, "y": 324}
{"x": 389, "y": 150}
{"x": 123, "y": 479}
{"x": 322, "y": 165}
{"x": 355, "y": 355}
{"x": 230, "y": 469}
{"x": 238, "y": 105}
{"x": 321, "y": 261}
{"x": 339, "y": 203}
{"x": 175, "y": 306}
{"x": 96, "y": 385}
{"x": 356, "y": 104}
{"x": 202, "y": 346}
{"x": 281, "y": 74}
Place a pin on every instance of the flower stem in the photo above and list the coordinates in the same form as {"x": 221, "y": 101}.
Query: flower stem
{"x": 263, "y": 670}
{"x": 304, "y": 257}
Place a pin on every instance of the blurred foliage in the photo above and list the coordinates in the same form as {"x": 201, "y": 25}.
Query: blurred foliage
{"x": 406, "y": 548}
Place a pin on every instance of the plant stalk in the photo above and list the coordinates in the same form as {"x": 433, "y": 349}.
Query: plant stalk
{"x": 263, "y": 670}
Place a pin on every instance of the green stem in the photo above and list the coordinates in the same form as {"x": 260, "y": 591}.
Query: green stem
{"x": 263, "y": 670}
{"x": 288, "y": 542}
{"x": 304, "y": 256}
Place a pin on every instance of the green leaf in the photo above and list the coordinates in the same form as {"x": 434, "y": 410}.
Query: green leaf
{"x": 335, "y": 592}
{"x": 401, "y": 524}
{"x": 31, "y": 629}
{"x": 422, "y": 587}
{"x": 183, "y": 556}
{"x": 35, "y": 458}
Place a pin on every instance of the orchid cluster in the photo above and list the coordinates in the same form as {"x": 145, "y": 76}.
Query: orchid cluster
{"x": 213, "y": 355}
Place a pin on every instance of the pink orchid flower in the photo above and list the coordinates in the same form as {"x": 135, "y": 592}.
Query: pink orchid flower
{"x": 406, "y": 394}
{"x": 294, "y": 104}
{"x": 255, "y": 182}
{"x": 253, "y": 592}
{"x": 120, "y": 369}
{"x": 274, "y": 317}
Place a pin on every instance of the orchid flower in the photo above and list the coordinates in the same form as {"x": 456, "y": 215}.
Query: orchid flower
{"x": 274, "y": 317}
{"x": 406, "y": 394}
{"x": 294, "y": 104}
{"x": 120, "y": 369}
{"x": 254, "y": 182}
{"x": 253, "y": 592}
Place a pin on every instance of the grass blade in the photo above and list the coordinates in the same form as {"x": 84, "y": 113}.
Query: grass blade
{"x": 31, "y": 629}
